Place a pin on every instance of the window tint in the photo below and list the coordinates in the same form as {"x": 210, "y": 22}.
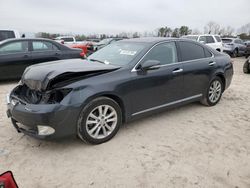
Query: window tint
{"x": 191, "y": 51}
{"x": 68, "y": 39}
{"x": 203, "y": 39}
{"x": 210, "y": 39}
{"x": 15, "y": 47}
{"x": 43, "y": 46}
{"x": 207, "y": 53}
{"x": 226, "y": 40}
{"x": 164, "y": 53}
{"x": 6, "y": 35}
{"x": 218, "y": 38}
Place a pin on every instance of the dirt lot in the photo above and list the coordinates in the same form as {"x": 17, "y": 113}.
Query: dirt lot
{"x": 191, "y": 146}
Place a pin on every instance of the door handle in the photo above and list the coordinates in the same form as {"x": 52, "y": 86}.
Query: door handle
{"x": 212, "y": 63}
{"x": 25, "y": 56}
{"x": 177, "y": 70}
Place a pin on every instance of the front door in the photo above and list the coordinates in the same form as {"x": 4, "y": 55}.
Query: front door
{"x": 153, "y": 89}
{"x": 14, "y": 58}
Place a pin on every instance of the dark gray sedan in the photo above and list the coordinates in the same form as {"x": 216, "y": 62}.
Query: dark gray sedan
{"x": 125, "y": 80}
{"x": 17, "y": 54}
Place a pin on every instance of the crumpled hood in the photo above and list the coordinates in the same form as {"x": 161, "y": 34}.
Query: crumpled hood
{"x": 38, "y": 77}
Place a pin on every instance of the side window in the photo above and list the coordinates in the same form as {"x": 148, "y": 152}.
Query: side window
{"x": 218, "y": 38}
{"x": 203, "y": 39}
{"x": 207, "y": 53}
{"x": 191, "y": 51}
{"x": 15, "y": 47}
{"x": 210, "y": 39}
{"x": 68, "y": 39}
{"x": 164, "y": 53}
{"x": 43, "y": 46}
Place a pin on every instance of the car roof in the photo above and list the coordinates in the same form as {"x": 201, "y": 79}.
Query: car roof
{"x": 25, "y": 39}
{"x": 150, "y": 40}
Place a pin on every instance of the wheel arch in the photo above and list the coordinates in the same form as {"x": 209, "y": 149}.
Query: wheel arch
{"x": 222, "y": 77}
{"x": 114, "y": 97}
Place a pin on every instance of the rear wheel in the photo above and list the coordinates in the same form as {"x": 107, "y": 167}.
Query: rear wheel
{"x": 99, "y": 121}
{"x": 246, "y": 68}
{"x": 214, "y": 92}
{"x": 235, "y": 53}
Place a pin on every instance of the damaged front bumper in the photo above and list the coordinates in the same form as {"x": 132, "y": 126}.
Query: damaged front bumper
{"x": 42, "y": 121}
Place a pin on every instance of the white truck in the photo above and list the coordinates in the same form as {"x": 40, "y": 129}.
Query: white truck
{"x": 8, "y": 34}
{"x": 68, "y": 40}
{"x": 214, "y": 41}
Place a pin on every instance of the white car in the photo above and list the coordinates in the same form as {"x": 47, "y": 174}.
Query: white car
{"x": 8, "y": 34}
{"x": 68, "y": 40}
{"x": 214, "y": 41}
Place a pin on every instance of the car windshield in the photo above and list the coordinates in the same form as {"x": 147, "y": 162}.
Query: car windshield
{"x": 121, "y": 53}
{"x": 227, "y": 40}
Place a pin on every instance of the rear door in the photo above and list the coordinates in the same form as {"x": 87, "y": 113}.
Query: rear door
{"x": 198, "y": 66}
{"x": 44, "y": 51}
{"x": 14, "y": 58}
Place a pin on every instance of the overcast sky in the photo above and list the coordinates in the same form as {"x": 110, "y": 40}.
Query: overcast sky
{"x": 114, "y": 16}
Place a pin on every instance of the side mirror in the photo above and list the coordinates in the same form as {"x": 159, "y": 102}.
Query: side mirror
{"x": 150, "y": 65}
{"x": 202, "y": 42}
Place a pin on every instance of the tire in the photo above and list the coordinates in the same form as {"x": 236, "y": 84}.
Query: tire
{"x": 246, "y": 68}
{"x": 94, "y": 127}
{"x": 208, "y": 100}
{"x": 235, "y": 53}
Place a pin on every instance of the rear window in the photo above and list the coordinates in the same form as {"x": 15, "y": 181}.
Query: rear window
{"x": 218, "y": 38}
{"x": 227, "y": 40}
{"x": 6, "y": 35}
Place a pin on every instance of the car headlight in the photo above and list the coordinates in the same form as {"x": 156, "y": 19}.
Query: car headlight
{"x": 57, "y": 96}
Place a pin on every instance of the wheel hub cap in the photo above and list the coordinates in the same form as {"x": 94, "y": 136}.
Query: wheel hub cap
{"x": 101, "y": 121}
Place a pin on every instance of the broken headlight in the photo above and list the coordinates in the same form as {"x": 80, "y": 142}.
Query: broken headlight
{"x": 56, "y": 96}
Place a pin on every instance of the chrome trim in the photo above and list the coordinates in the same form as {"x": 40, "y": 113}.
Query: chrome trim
{"x": 180, "y": 62}
{"x": 167, "y": 104}
{"x": 8, "y": 98}
{"x": 212, "y": 63}
{"x": 177, "y": 71}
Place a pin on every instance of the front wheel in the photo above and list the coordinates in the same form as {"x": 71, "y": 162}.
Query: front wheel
{"x": 99, "y": 121}
{"x": 214, "y": 92}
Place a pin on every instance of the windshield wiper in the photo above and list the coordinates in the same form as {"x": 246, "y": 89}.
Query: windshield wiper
{"x": 96, "y": 60}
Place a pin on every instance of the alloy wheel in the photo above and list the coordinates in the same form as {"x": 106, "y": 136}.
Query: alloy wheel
{"x": 101, "y": 121}
{"x": 215, "y": 91}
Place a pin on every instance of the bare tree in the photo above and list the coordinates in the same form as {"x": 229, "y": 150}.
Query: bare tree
{"x": 212, "y": 28}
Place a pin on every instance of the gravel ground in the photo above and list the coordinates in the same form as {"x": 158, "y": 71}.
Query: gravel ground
{"x": 191, "y": 146}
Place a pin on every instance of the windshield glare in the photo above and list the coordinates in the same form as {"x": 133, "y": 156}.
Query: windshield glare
{"x": 105, "y": 41}
{"x": 118, "y": 53}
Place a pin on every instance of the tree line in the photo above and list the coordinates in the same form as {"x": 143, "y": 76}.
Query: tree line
{"x": 210, "y": 28}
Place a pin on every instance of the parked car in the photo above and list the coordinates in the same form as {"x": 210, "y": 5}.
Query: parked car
{"x": 125, "y": 80}
{"x": 214, "y": 41}
{"x": 105, "y": 42}
{"x": 86, "y": 47}
{"x": 8, "y": 34}
{"x": 234, "y": 46}
{"x": 247, "y": 53}
{"x": 17, "y": 54}
{"x": 246, "y": 66}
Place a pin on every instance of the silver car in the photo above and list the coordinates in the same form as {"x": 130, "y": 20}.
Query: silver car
{"x": 234, "y": 46}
